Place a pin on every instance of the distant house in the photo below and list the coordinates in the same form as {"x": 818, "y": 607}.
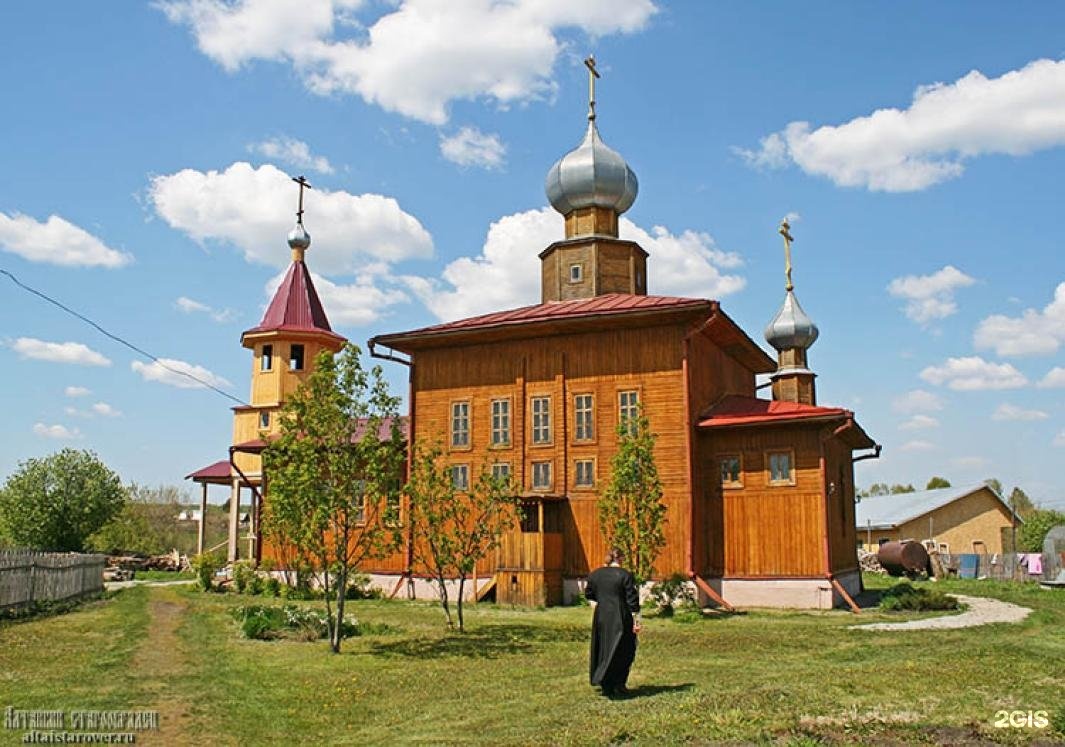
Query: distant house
{"x": 973, "y": 518}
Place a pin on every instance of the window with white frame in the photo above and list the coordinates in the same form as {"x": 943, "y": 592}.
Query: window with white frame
{"x": 501, "y": 471}
{"x": 576, "y": 273}
{"x": 584, "y": 474}
{"x": 541, "y": 420}
{"x": 500, "y": 422}
{"x": 629, "y": 408}
{"x": 460, "y": 424}
{"x": 584, "y": 415}
{"x": 460, "y": 476}
{"x": 264, "y": 420}
{"x": 541, "y": 475}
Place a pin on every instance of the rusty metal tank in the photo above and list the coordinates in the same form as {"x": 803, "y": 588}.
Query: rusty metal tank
{"x": 903, "y": 558}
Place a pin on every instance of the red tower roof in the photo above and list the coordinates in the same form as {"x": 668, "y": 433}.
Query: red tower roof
{"x": 296, "y": 306}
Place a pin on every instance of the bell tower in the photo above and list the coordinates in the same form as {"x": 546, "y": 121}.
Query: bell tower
{"x": 591, "y": 186}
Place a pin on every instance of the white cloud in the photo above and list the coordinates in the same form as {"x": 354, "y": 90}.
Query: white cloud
{"x": 1059, "y": 440}
{"x": 1032, "y": 333}
{"x": 917, "y": 446}
{"x": 191, "y": 306}
{"x": 918, "y": 422}
{"x": 252, "y": 208}
{"x": 974, "y": 373}
{"x": 58, "y": 352}
{"x": 1054, "y": 379}
{"x": 895, "y": 150}
{"x": 106, "y": 410}
{"x": 178, "y": 374}
{"x": 1006, "y": 411}
{"x": 56, "y": 242}
{"x": 917, "y": 400}
{"x": 58, "y": 432}
{"x": 507, "y": 272}
{"x": 75, "y": 391}
{"x": 471, "y": 147}
{"x": 969, "y": 461}
{"x": 292, "y": 152}
{"x": 930, "y": 297}
{"x": 357, "y": 304}
{"x": 416, "y": 57}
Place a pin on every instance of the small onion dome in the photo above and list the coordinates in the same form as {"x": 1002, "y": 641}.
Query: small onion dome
{"x": 592, "y": 174}
{"x": 298, "y": 238}
{"x": 791, "y": 327}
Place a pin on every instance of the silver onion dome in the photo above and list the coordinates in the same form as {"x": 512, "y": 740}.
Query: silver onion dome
{"x": 791, "y": 327}
{"x": 593, "y": 174}
{"x": 298, "y": 238}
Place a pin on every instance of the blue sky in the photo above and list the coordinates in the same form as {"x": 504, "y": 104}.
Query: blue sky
{"x": 924, "y": 188}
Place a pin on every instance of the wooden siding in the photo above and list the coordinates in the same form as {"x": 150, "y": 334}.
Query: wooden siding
{"x": 762, "y": 529}
{"x": 601, "y": 363}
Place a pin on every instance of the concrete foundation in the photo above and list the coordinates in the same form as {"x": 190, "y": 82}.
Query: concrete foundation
{"x": 787, "y": 593}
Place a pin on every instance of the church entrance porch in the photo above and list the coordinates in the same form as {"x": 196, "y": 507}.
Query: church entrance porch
{"x": 529, "y": 559}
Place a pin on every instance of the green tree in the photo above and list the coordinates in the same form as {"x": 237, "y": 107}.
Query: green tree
{"x": 1021, "y": 503}
{"x": 148, "y": 523}
{"x": 332, "y": 475}
{"x": 632, "y": 516}
{"x": 937, "y": 482}
{"x": 453, "y": 528}
{"x": 1033, "y": 531}
{"x": 898, "y": 488}
{"x": 995, "y": 484}
{"x": 57, "y": 502}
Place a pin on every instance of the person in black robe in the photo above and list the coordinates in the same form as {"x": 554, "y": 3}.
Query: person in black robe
{"x": 615, "y": 623}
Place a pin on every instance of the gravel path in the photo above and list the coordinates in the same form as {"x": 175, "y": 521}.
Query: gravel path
{"x": 982, "y": 611}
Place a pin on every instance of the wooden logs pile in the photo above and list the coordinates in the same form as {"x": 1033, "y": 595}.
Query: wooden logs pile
{"x": 171, "y": 561}
{"x": 869, "y": 562}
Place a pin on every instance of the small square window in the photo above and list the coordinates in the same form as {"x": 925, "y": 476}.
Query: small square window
{"x": 460, "y": 477}
{"x": 585, "y": 473}
{"x": 576, "y": 273}
{"x": 731, "y": 472}
{"x": 541, "y": 475}
{"x": 500, "y": 422}
{"x": 264, "y": 420}
{"x": 460, "y": 424}
{"x": 780, "y": 468}
{"x": 295, "y": 358}
{"x": 266, "y": 360}
{"x": 541, "y": 420}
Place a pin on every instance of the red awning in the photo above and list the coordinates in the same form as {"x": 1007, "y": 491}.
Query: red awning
{"x": 216, "y": 474}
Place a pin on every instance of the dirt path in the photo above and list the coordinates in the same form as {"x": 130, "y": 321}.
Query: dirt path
{"x": 982, "y": 611}
{"x": 158, "y": 661}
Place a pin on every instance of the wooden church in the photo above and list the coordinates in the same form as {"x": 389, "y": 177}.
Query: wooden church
{"x": 759, "y": 492}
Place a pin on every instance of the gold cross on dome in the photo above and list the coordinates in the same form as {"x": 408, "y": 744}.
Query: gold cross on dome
{"x": 302, "y": 181}
{"x": 785, "y": 231}
{"x": 592, "y": 75}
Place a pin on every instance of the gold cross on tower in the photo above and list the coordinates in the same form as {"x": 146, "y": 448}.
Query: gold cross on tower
{"x": 785, "y": 231}
{"x": 302, "y": 181}
{"x": 592, "y": 75}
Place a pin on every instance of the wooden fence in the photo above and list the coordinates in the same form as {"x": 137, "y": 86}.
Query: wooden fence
{"x": 28, "y": 577}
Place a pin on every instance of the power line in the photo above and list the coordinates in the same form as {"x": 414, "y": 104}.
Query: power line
{"x": 119, "y": 340}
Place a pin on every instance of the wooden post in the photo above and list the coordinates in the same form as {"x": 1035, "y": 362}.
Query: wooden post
{"x": 201, "y": 530}
{"x": 232, "y": 549}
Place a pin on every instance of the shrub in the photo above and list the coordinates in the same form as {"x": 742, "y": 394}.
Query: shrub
{"x": 272, "y": 587}
{"x": 242, "y": 576}
{"x": 359, "y": 588}
{"x": 255, "y": 584}
{"x": 668, "y": 593}
{"x": 905, "y": 597}
{"x": 268, "y": 622}
{"x": 205, "y": 566}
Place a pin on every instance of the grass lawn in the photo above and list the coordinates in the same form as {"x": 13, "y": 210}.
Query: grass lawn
{"x": 165, "y": 575}
{"x": 520, "y": 676}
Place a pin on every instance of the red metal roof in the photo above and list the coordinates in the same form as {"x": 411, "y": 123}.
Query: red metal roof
{"x": 296, "y": 306}
{"x": 610, "y": 303}
{"x": 215, "y": 471}
{"x": 734, "y": 409}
